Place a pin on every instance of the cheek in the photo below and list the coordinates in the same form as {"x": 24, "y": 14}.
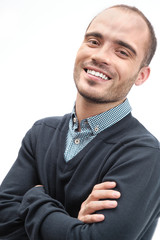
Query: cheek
{"x": 83, "y": 54}
{"x": 80, "y": 52}
{"x": 124, "y": 70}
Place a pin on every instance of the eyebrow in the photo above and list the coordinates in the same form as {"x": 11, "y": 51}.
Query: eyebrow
{"x": 94, "y": 34}
{"x": 119, "y": 42}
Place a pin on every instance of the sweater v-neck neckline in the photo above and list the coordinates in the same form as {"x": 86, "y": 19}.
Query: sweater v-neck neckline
{"x": 71, "y": 164}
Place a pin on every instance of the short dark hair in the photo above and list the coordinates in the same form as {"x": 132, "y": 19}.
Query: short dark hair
{"x": 152, "y": 43}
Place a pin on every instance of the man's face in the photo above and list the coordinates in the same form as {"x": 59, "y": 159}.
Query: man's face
{"x": 109, "y": 59}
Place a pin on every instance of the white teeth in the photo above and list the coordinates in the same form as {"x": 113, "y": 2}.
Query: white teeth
{"x": 97, "y": 74}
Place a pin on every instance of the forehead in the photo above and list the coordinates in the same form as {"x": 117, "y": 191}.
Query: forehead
{"x": 119, "y": 23}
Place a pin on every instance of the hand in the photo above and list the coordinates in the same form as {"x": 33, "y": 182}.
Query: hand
{"x": 93, "y": 203}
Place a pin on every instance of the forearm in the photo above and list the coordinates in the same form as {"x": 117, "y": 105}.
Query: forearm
{"x": 45, "y": 218}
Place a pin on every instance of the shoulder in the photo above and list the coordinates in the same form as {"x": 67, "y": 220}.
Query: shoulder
{"x": 45, "y": 128}
{"x": 51, "y": 122}
{"x": 143, "y": 135}
{"x": 130, "y": 131}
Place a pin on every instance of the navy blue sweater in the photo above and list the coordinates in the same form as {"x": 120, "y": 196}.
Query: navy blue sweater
{"x": 126, "y": 153}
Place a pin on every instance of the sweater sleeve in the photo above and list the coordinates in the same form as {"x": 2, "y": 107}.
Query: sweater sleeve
{"x": 18, "y": 181}
{"x": 137, "y": 176}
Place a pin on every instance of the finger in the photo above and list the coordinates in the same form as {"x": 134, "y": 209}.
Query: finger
{"x": 94, "y": 206}
{"x": 92, "y": 218}
{"x": 104, "y": 185}
{"x": 103, "y": 194}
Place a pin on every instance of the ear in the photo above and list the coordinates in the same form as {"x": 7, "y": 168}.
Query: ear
{"x": 142, "y": 76}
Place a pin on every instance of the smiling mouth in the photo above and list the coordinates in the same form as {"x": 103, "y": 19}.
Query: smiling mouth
{"x": 97, "y": 74}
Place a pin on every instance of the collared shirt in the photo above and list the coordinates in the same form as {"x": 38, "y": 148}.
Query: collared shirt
{"x": 90, "y": 127}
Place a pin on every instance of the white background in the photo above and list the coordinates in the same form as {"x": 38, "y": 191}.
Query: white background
{"x": 38, "y": 44}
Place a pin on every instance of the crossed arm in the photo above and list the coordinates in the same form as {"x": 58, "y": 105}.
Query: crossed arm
{"x": 45, "y": 218}
{"x": 94, "y": 202}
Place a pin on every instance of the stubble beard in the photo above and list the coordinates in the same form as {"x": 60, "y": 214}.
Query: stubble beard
{"x": 94, "y": 99}
{"x": 113, "y": 95}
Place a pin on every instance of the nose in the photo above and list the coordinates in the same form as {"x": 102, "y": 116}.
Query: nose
{"x": 102, "y": 55}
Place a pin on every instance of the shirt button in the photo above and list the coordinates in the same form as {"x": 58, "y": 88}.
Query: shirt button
{"x": 77, "y": 141}
{"x": 96, "y": 129}
{"x": 74, "y": 120}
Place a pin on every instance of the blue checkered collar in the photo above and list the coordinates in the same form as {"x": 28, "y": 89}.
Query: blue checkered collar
{"x": 104, "y": 120}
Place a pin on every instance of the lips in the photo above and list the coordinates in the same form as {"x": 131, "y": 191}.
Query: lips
{"x": 97, "y": 74}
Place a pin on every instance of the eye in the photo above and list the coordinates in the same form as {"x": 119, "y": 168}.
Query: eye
{"x": 122, "y": 53}
{"x": 93, "y": 42}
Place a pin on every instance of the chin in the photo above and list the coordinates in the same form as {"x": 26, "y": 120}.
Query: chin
{"x": 92, "y": 98}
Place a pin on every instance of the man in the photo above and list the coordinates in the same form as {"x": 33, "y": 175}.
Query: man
{"x": 72, "y": 170}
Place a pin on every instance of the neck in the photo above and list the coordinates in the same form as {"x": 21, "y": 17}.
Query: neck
{"x": 86, "y": 109}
